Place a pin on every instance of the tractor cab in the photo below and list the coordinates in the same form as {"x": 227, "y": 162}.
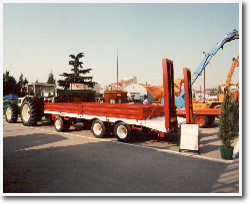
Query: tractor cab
{"x": 41, "y": 90}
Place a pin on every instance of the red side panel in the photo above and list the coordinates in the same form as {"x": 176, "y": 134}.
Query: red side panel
{"x": 127, "y": 111}
{"x": 208, "y": 111}
{"x": 73, "y": 107}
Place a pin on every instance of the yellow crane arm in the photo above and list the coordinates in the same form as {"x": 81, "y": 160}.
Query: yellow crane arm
{"x": 235, "y": 63}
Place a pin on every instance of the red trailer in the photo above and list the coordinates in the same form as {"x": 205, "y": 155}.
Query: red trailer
{"x": 121, "y": 118}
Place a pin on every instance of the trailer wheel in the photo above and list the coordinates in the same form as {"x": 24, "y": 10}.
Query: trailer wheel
{"x": 11, "y": 113}
{"x": 98, "y": 128}
{"x": 122, "y": 131}
{"x": 201, "y": 120}
{"x": 211, "y": 119}
{"x": 61, "y": 125}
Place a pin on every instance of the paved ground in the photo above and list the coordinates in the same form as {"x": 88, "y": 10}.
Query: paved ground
{"x": 41, "y": 160}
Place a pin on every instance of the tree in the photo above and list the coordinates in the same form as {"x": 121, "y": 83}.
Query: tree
{"x": 97, "y": 88}
{"x": 51, "y": 79}
{"x": 76, "y": 77}
{"x": 9, "y": 84}
{"x": 229, "y": 119}
{"x": 21, "y": 85}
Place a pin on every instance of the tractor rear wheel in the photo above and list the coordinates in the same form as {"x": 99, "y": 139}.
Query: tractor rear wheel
{"x": 30, "y": 112}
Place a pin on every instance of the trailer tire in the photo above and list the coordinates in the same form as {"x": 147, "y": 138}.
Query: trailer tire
{"x": 11, "y": 113}
{"x": 61, "y": 125}
{"x": 98, "y": 128}
{"x": 201, "y": 120}
{"x": 29, "y": 112}
{"x": 218, "y": 106}
{"x": 122, "y": 131}
{"x": 211, "y": 119}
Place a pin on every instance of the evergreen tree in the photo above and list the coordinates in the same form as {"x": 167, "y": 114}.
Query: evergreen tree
{"x": 21, "y": 85}
{"x": 51, "y": 79}
{"x": 9, "y": 84}
{"x": 229, "y": 119}
{"x": 76, "y": 77}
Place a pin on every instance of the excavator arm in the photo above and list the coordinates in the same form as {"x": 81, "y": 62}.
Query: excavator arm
{"x": 180, "y": 100}
{"x": 235, "y": 63}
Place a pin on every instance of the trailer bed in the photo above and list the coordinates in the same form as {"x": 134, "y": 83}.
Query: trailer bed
{"x": 150, "y": 116}
{"x": 128, "y": 111}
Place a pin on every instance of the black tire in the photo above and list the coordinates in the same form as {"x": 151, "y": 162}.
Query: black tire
{"x": 61, "y": 125}
{"x": 40, "y": 108}
{"x": 98, "y": 128}
{"x": 211, "y": 119}
{"x": 218, "y": 106}
{"x": 29, "y": 112}
{"x": 11, "y": 113}
{"x": 122, "y": 131}
{"x": 49, "y": 119}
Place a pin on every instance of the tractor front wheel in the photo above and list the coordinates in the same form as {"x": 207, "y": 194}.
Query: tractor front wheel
{"x": 11, "y": 113}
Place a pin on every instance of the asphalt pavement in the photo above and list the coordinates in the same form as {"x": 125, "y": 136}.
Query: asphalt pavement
{"x": 40, "y": 160}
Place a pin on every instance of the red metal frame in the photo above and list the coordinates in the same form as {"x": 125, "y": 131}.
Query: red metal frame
{"x": 169, "y": 97}
{"x": 188, "y": 95}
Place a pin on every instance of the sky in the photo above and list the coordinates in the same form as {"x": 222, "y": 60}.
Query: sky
{"x": 38, "y": 39}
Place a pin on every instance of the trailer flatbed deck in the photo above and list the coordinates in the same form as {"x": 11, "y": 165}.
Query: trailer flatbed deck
{"x": 150, "y": 116}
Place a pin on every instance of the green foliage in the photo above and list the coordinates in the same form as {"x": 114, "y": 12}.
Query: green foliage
{"x": 229, "y": 119}
{"x": 76, "y": 77}
{"x": 9, "y": 84}
{"x": 51, "y": 79}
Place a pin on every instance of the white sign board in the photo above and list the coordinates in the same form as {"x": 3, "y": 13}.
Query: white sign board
{"x": 189, "y": 137}
{"x": 77, "y": 86}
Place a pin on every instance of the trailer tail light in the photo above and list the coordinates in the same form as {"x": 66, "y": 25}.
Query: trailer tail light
{"x": 173, "y": 119}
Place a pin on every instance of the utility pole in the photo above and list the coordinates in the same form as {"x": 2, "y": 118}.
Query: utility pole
{"x": 204, "y": 80}
{"x": 117, "y": 68}
{"x": 204, "y": 85}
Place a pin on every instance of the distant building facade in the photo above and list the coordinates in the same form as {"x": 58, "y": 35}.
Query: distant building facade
{"x": 121, "y": 85}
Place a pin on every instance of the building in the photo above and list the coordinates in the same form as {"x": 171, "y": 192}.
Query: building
{"x": 209, "y": 94}
{"x": 138, "y": 91}
{"x": 121, "y": 85}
